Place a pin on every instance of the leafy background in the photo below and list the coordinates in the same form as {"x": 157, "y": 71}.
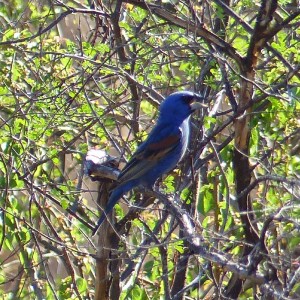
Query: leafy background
{"x": 79, "y": 75}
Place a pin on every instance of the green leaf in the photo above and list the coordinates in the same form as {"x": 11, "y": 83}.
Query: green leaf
{"x": 81, "y": 285}
{"x": 64, "y": 203}
{"x": 206, "y": 202}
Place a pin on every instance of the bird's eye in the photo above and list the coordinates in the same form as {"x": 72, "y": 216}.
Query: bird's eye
{"x": 188, "y": 99}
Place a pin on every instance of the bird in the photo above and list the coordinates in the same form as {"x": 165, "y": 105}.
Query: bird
{"x": 163, "y": 149}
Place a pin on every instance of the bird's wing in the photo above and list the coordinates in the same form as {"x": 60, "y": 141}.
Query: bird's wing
{"x": 161, "y": 141}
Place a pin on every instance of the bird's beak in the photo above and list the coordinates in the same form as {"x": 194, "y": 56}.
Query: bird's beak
{"x": 195, "y": 105}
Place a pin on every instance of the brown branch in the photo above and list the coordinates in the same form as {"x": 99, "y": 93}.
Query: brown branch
{"x": 262, "y": 31}
{"x": 272, "y": 32}
{"x": 65, "y": 257}
{"x": 105, "y": 237}
{"x": 196, "y": 243}
{"x": 55, "y": 22}
{"x": 189, "y": 25}
{"x": 117, "y": 32}
{"x": 241, "y": 164}
{"x": 60, "y": 152}
{"x": 29, "y": 267}
{"x": 142, "y": 250}
{"x": 181, "y": 267}
{"x": 54, "y": 200}
{"x": 250, "y": 187}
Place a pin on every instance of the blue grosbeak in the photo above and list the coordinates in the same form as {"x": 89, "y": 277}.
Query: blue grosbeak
{"x": 161, "y": 151}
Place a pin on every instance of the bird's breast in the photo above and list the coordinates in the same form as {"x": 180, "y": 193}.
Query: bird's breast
{"x": 185, "y": 133}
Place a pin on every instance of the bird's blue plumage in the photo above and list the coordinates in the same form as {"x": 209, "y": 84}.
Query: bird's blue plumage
{"x": 161, "y": 151}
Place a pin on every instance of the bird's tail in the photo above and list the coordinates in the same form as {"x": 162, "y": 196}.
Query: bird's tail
{"x": 115, "y": 196}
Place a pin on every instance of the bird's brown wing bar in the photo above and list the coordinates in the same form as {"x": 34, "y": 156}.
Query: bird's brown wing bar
{"x": 144, "y": 158}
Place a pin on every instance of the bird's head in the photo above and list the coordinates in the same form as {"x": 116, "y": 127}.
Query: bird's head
{"x": 180, "y": 105}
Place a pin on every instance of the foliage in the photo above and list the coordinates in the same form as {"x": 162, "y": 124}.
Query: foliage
{"x": 76, "y": 76}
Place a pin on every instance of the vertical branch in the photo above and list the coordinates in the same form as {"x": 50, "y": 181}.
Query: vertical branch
{"x": 241, "y": 152}
{"x": 164, "y": 261}
{"x": 30, "y": 269}
{"x": 115, "y": 290}
{"x": 242, "y": 131}
{"x": 241, "y": 162}
{"x": 180, "y": 271}
{"x": 97, "y": 165}
{"x": 102, "y": 282}
{"x": 121, "y": 50}
{"x": 117, "y": 32}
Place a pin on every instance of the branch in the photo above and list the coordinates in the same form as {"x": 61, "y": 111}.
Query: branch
{"x": 190, "y": 26}
{"x": 271, "y": 33}
{"x": 55, "y": 22}
{"x": 262, "y": 30}
{"x": 276, "y": 178}
{"x": 196, "y": 243}
{"x": 283, "y": 24}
